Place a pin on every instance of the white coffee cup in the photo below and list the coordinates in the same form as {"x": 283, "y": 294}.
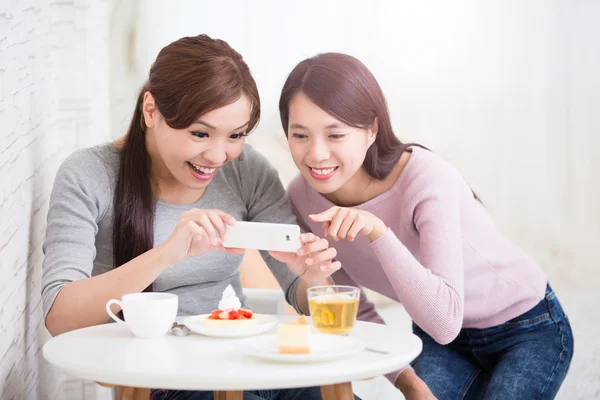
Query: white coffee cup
{"x": 148, "y": 315}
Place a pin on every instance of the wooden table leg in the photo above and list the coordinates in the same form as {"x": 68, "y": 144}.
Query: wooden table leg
{"x": 229, "y": 395}
{"x": 131, "y": 393}
{"x": 340, "y": 391}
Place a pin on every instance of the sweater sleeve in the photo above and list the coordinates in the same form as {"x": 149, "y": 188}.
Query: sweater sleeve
{"x": 431, "y": 287}
{"x": 79, "y": 198}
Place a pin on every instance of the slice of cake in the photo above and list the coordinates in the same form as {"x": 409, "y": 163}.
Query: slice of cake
{"x": 294, "y": 337}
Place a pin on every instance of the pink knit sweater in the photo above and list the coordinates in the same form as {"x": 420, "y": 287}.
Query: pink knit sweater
{"x": 441, "y": 257}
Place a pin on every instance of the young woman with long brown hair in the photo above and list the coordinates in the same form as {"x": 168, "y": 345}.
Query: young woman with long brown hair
{"x": 143, "y": 213}
{"x": 407, "y": 225}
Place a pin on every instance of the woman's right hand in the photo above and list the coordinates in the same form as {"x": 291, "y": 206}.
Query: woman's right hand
{"x": 197, "y": 232}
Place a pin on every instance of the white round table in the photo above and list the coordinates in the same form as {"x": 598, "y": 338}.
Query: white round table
{"x": 112, "y": 355}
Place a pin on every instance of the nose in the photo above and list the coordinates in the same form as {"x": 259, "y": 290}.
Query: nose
{"x": 318, "y": 151}
{"x": 215, "y": 153}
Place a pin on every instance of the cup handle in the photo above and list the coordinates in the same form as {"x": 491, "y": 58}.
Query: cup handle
{"x": 112, "y": 315}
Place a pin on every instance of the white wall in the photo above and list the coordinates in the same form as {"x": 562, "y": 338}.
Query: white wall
{"x": 53, "y": 99}
{"x": 506, "y": 90}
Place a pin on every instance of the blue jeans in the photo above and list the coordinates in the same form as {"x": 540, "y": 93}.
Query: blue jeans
{"x": 309, "y": 393}
{"x": 525, "y": 358}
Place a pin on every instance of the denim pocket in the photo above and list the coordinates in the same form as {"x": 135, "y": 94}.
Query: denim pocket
{"x": 537, "y": 315}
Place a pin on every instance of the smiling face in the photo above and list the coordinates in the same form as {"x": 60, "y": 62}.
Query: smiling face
{"x": 328, "y": 152}
{"x": 191, "y": 157}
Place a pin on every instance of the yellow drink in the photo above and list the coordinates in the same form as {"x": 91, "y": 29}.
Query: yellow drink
{"x": 333, "y": 313}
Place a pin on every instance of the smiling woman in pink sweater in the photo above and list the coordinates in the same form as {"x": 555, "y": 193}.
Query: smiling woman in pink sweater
{"x": 407, "y": 225}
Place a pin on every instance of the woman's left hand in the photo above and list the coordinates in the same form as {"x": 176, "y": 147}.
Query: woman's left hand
{"x": 413, "y": 387}
{"x": 313, "y": 262}
{"x": 348, "y": 223}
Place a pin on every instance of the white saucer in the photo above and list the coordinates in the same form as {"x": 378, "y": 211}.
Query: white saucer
{"x": 322, "y": 348}
{"x": 263, "y": 323}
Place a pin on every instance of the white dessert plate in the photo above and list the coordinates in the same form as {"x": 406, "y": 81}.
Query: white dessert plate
{"x": 322, "y": 348}
{"x": 263, "y": 323}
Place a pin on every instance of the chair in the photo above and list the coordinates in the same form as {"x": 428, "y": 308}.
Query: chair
{"x": 265, "y": 301}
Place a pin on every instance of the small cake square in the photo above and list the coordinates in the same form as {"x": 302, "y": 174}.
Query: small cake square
{"x": 294, "y": 337}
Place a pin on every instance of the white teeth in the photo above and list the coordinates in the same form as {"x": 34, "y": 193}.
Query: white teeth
{"x": 204, "y": 170}
{"x": 326, "y": 171}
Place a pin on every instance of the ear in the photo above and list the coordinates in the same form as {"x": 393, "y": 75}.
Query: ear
{"x": 149, "y": 110}
{"x": 372, "y": 131}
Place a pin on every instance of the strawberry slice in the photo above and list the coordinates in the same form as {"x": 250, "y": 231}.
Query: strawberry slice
{"x": 224, "y": 315}
{"x": 242, "y": 313}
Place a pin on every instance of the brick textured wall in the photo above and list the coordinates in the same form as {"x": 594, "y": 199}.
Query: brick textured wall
{"x": 53, "y": 99}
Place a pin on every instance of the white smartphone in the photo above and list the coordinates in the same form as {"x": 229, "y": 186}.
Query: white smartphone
{"x": 263, "y": 236}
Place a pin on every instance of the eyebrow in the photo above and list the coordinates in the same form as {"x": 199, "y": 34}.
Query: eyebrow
{"x": 199, "y": 121}
{"x": 300, "y": 126}
{"x": 297, "y": 126}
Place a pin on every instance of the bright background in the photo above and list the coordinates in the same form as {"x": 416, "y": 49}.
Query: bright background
{"x": 509, "y": 91}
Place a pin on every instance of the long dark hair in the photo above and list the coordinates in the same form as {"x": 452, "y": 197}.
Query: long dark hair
{"x": 343, "y": 86}
{"x": 190, "y": 77}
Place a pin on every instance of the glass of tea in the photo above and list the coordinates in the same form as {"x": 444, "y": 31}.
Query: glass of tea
{"x": 333, "y": 308}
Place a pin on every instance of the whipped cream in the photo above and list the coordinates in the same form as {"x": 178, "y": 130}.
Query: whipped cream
{"x": 229, "y": 301}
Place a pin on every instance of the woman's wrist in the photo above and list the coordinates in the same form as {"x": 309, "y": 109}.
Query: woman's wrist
{"x": 326, "y": 282}
{"x": 162, "y": 256}
{"x": 379, "y": 229}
